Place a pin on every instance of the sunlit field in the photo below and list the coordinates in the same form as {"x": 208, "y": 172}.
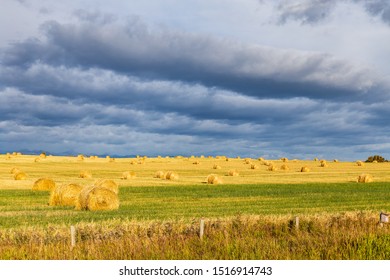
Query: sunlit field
{"x": 248, "y": 216}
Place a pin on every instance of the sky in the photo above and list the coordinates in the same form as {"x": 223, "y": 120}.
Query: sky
{"x": 250, "y": 78}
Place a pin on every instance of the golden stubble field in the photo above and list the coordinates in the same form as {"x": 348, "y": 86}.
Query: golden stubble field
{"x": 249, "y": 216}
{"x": 191, "y": 170}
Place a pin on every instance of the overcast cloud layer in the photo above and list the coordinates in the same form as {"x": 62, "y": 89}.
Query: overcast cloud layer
{"x": 298, "y": 78}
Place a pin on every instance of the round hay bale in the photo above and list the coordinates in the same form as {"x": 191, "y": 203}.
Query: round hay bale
{"x": 44, "y": 184}
{"x": 159, "y": 174}
{"x": 227, "y": 159}
{"x": 315, "y": 159}
{"x": 128, "y": 175}
{"x": 37, "y": 159}
{"x": 285, "y": 167}
{"x": 260, "y": 159}
{"x": 271, "y": 167}
{"x": 365, "y": 178}
{"x": 108, "y": 184}
{"x": 170, "y": 175}
{"x": 305, "y": 169}
{"x": 20, "y": 176}
{"x": 15, "y": 170}
{"x": 213, "y": 179}
{"x": 335, "y": 160}
{"x": 216, "y": 166}
{"x": 284, "y": 159}
{"x": 254, "y": 166}
{"x": 196, "y": 162}
{"x": 233, "y": 172}
{"x": 359, "y": 163}
{"x": 94, "y": 198}
{"x": 247, "y": 161}
{"x": 324, "y": 163}
{"x": 111, "y": 160}
{"x": 65, "y": 195}
{"x": 85, "y": 174}
{"x": 42, "y": 155}
{"x": 374, "y": 161}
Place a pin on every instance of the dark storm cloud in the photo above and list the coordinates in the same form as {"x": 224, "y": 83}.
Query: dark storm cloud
{"x": 101, "y": 88}
{"x": 305, "y": 11}
{"x": 314, "y": 11}
{"x": 379, "y": 8}
{"x": 134, "y": 49}
{"x": 101, "y": 84}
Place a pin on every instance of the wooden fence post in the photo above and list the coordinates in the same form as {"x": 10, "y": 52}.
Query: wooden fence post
{"x": 383, "y": 218}
{"x": 201, "y": 229}
{"x": 72, "y": 236}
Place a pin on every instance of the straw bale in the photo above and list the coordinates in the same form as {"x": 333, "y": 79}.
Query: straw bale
{"x": 85, "y": 174}
{"x": 65, "y": 195}
{"x": 233, "y": 172}
{"x": 44, "y": 184}
{"x": 94, "y": 198}
{"x": 107, "y": 183}
{"x": 213, "y": 179}
{"x": 128, "y": 175}
{"x": 20, "y": 176}
{"x": 305, "y": 169}
{"x": 159, "y": 174}
{"x": 365, "y": 178}
{"x": 271, "y": 167}
{"x": 254, "y": 166}
{"x": 216, "y": 166}
{"x": 285, "y": 167}
{"x": 170, "y": 175}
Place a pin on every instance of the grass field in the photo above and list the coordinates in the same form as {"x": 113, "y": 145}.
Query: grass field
{"x": 247, "y": 217}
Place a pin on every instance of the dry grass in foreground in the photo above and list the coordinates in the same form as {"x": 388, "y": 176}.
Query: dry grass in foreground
{"x": 342, "y": 236}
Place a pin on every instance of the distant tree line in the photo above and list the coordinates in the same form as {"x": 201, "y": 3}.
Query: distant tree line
{"x": 376, "y": 158}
